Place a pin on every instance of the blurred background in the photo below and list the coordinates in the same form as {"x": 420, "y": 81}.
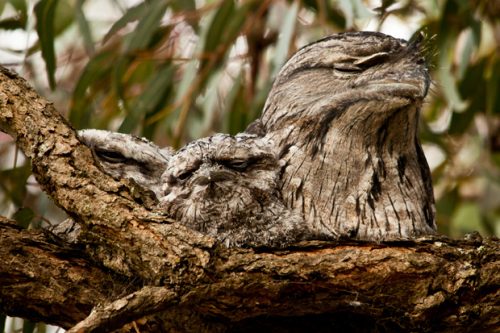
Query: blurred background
{"x": 177, "y": 70}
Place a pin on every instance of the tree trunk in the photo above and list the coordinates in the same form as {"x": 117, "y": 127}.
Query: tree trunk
{"x": 134, "y": 266}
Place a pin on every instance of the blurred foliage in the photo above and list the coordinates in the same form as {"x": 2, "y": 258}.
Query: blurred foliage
{"x": 177, "y": 70}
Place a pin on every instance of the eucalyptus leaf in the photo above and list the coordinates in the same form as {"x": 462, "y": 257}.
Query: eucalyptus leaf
{"x": 148, "y": 23}
{"x": 84, "y": 27}
{"x": 97, "y": 68}
{"x": 283, "y": 46}
{"x": 360, "y": 10}
{"x": 3, "y": 319}
{"x": 44, "y": 12}
{"x": 467, "y": 218}
{"x": 493, "y": 87}
{"x": 132, "y": 14}
{"x": 186, "y": 6}
{"x": 24, "y": 216}
{"x": 346, "y": 6}
{"x": 13, "y": 183}
{"x": 448, "y": 84}
{"x": 20, "y": 5}
{"x": 216, "y": 28}
{"x": 149, "y": 100}
{"x": 28, "y": 326}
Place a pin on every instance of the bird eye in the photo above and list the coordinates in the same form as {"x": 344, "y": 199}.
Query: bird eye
{"x": 347, "y": 68}
{"x": 189, "y": 171}
{"x": 372, "y": 60}
{"x": 110, "y": 156}
{"x": 361, "y": 64}
{"x": 238, "y": 165}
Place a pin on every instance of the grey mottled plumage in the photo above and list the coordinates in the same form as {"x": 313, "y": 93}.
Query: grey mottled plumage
{"x": 344, "y": 115}
{"x": 227, "y": 186}
{"x": 125, "y": 156}
{"x": 122, "y": 156}
{"x": 335, "y": 153}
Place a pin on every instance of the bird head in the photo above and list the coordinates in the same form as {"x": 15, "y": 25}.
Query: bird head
{"x": 366, "y": 81}
{"x": 124, "y": 156}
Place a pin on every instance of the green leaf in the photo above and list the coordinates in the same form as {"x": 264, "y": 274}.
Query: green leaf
{"x": 13, "y": 183}
{"x": 150, "y": 99}
{"x": 467, "y": 218}
{"x": 324, "y": 8}
{"x": 3, "y": 318}
{"x": 449, "y": 88}
{"x": 20, "y": 5}
{"x": 118, "y": 72}
{"x": 44, "y": 12}
{"x": 169, "y": 115}
{"x": 188, "y": 77}
{"x": 23, "y": 216}
{"x": 360, "y": 10}
{"x": 466, "y": 53}
{"x": 97, "y": 68}
{"x": 238, "y": 108}
{"x": 495, "y": 157}
{"x": 445, "y": 206}
{"x": 132, "y": 14}
{"x": 471, "y": 44}
{"x": 205, "y": 120}
{"x": 217, "y": 25}
{"x": 83, "y": 24}
{"x": 218, "y": 37}
{"x": 28, "y": 326}
{"x": 346, "y": 6}
{"x": 186, "y": 6}
{"x": 474, "y": 88}
{"x": 351, "y": 10}
{"x": 215, "y": 31}
{"x": 493, "y": 87}
{"x": 156, "y": 88}
{"x": 64, "y": 17}
{"x": 287, "y": 29}
{"x": 446, "y": 80}
{"x": 183, "y": 5}
{"x": 147, "y": 25}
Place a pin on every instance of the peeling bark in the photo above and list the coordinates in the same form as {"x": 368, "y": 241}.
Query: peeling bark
{"x": 134, "y": 262}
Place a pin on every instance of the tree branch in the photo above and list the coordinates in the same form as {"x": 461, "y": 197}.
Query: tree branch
{"x": 431, "y": 285}
{"x": 112, "y": 316}
{"x": 119, "y": 230}
{"x": 46, "y": 280}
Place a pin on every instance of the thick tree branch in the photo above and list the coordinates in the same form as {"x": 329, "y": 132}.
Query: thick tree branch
{"x": 422, "y": 284}
{"x": 123, "y": 232}
{"x": 46, "y": 280}
{"x": 437, "y": 284}
{"x": 112, "y": 316}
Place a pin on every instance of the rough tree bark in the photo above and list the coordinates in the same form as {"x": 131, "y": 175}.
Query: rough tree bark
{"x": 134, "y": 266}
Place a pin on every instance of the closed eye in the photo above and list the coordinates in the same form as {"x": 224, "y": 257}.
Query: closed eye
{"x": 361, "y": 64}
{"x": 372, "y": 60}
{"x": 187, "y": 173}
{"x": 110, "y": 156}
{"x": 347, "y": 68}
{"x": 237, "y": 165}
